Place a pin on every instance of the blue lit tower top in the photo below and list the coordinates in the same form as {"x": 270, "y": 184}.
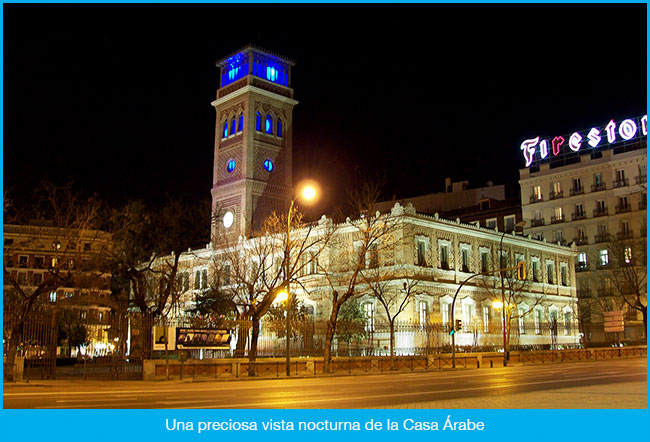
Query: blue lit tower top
{"x": 256, "y": 62}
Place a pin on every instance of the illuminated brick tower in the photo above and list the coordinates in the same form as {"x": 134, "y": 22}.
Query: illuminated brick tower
{"x": 252, "y": 151}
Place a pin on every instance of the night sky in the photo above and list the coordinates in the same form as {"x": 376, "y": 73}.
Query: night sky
{"x": 117, "y": 97}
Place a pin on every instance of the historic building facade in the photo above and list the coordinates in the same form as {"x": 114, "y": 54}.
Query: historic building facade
{"x": 595, "y": 198}
{"x": 252, "y": 177}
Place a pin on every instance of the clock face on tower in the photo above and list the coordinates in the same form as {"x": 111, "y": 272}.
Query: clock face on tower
{"x": 228, "y": 219}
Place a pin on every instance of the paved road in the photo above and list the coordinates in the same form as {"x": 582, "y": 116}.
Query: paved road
{"x": 572, "y": 385}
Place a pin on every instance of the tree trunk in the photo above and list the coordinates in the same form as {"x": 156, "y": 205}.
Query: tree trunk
{"x": 8, "y": 371}
{"x": 16, "y": 335}
{"x": 329, "y": 337}
{"x": 252, "y": 354}
{"x": 391, "y": 324}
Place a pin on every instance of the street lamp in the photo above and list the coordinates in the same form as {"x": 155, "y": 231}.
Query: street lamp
{"x": 308, "y": 193}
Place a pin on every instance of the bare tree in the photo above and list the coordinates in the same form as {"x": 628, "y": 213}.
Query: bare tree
{"x": 65, "y": 221}
{"x": 146, "y": 260}
{"x": 510, "y": 288}
{"x": 384, "y": 285}
{"x": 255, "y": 270}
{"x": 624, "y": 277}
{"x": 370, "y": 235}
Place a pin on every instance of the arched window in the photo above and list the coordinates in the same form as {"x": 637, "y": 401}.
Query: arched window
{"x": 240, "y": 127}
{"x": 268, "y": 165}
{"x": 232, "y": 126}
{"x": 279, "y": 131}
{"x": 224, "y": 134}
{"x": 230, "y": 165}
{"x": 258, "y": 122}
{"x": 268, "y": 127}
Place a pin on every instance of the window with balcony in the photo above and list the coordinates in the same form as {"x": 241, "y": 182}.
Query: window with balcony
{"x": 576, "y": 188}
{"x": 621, "y": 181}
{"x": 598, "y": 183}
{"x": 602, "y": 234}
{"x": 558, "y": 215}
{"x": 627, "y": 255}
{"x": 604, "y": 257}
{"x": 623, "y": 204}
{"x": 579, "y": 212}
{"x": 556, "y": 190}
{"x": 601, "y": 208}
{"x": 536, "y": 194}
{"x": 582, "y": 261}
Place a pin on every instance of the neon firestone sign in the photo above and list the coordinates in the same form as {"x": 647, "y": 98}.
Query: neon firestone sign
{"x": 611, "y": 133}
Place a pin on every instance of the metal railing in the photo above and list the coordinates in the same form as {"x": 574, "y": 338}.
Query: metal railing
{"x": 621, "y": 183}
{"x": 603, "y": 211}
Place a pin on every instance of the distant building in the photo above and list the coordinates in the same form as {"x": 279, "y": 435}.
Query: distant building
{"x": 487, "y": 206}
{"x": 32, "y": 252}
{"x": 594, "y": 198}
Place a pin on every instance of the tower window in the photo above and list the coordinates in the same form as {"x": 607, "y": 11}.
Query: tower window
{"x": 269, "y": 125}
{"x": 279, "y": 131}
{"x": 232, "y": 126}
{"x": 268, "y": 165}
{"x": 241, "y": 123}
{"x": 230, "y": 165}
{"x": 258, "y": 121}
{"x": 225, "y": 129}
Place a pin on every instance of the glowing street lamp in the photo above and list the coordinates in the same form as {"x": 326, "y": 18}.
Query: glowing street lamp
{"x": 308, "y": 193}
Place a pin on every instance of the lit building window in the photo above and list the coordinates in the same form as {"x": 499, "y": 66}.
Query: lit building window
{"x": 538, "y": 322}
{"x": 230, "y": 165}
{"x": 258, "y": 121}
{"x": 52, "y": 296}
{"x": 240, "y": 127}
{"x": 268, "y": 165}
{"x": 268, "y": 126}
{"x": 604, "y": 257}
{"x": 444, "y": 313}
{"x": 279, "y": 129}
{"x": 628, "y": 255}
{"x": 486, "y": 319}
{"x": 225, "y": 129}
{"x": 232, "y": 126}
{"x": 423, "y": 312}
{"x": 369, "y": 312}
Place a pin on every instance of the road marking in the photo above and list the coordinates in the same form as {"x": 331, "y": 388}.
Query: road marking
{"x": 338, "y": 399}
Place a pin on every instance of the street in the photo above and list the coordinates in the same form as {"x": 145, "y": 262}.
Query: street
{"x": 598, "y": 384}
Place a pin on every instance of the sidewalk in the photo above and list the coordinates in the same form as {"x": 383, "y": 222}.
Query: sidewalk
{"x": 609, "y": 396}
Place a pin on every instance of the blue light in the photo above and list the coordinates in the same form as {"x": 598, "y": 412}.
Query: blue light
{"x": 269, "y": 124}
{"x": 241, "y": 123}
{"x": 279, "y": 131}
{"x": 258, "y": 122}
{"x": 225, "y": 129}
{"x": 230, "y": 166}
{"x": 268, "y": 165}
